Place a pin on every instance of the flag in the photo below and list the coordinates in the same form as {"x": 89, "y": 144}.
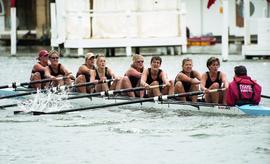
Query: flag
{"x": 210, "y": 3}
{"x": 12, "y": 3}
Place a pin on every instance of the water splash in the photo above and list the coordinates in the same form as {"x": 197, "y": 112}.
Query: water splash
{"x": 46, "y": 102}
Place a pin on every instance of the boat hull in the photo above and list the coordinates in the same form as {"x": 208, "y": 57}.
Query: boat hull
{"x": 252, "y": 110}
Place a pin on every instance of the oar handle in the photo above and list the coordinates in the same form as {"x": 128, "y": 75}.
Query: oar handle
{"x": 216, "y": 90}
{"x": 156, "y": 86}
{"x": 83, "y": 84}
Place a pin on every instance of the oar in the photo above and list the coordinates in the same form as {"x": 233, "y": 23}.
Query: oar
{"x": 113, "y": 92}
{"x": 265, "y": 96}
{"x": 57, "y": 88}
{"x": 16, "y": 84}
{"x": 156, "y": 98}
{"x": 103, "y": 93}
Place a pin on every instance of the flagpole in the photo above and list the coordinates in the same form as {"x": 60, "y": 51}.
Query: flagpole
{"x": 225, "y": 31}
{"x": 13, "y": 32}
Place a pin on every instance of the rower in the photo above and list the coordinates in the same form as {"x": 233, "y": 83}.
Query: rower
{"x": 155, "y": 76}
{"x": 188, "y": 80}
{"x": 56, "y": 69}
{"x": 214, "y": 79}
{"x": 84, "y": 73}
{"x": 102, "y": 72}
{"x": 132, "y": 78}
{"x": 38, "y": 70}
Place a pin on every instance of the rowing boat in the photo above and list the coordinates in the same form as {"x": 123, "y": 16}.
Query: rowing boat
{"x": 164, "y": 104}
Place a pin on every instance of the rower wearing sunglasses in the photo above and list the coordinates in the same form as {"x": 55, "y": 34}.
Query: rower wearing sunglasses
{"x": 55, "y": 69}
{"x": 132, "y": 78}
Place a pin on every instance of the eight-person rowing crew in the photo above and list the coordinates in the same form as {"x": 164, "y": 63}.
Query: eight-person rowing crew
{"x": 242, "y": 90}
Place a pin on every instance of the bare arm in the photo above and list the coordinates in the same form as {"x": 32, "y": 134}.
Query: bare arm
{"x": 183, "y": 77}
{"x": 110, "y": 71}
{"x": 165, "y": 78}
{"x": 84, "y": 69}
{"x": 224, "y": 80}
{"x": 144, "y": 78}
{"x": 92, "y": 76}
{"x": 48, "y": 73}
{"x": 133, "y": 72}
{"x": 38, "y": 68}
{"x": 198, "y": 75}
{"x": 203, "y": 81}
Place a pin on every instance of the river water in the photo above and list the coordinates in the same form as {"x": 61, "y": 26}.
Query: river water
{"x": 117, "y": 136}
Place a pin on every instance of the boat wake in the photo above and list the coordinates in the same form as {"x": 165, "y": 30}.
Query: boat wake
{"x": 46, "y": 102}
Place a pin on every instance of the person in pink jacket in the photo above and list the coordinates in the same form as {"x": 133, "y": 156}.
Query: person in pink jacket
{"x": 243, "y": 90}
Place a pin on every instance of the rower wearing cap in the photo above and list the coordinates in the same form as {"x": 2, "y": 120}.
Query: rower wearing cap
{"x": 84, "y": 73}
{"x": 56, "y": 69}
{"x": 188, "y": 80}
{"x": 38, "y": 70}
{"x": 155, "y": 76}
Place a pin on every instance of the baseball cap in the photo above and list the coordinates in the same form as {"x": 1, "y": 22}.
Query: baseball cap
{"x": 89, "y": 55}
{"x": 42, "y": 53}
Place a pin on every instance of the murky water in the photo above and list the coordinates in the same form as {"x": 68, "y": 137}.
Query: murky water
{"x": 117, "y": 135}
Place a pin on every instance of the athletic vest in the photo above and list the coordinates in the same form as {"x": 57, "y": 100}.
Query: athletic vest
{"x": 59, "y": 71}
{"x": 107, "y": 75}
{"x": 209, "y": 82}
{"x": 150, "y": 80}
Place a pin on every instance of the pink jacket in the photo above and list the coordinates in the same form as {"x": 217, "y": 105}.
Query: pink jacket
{"x": 243, "y": 90}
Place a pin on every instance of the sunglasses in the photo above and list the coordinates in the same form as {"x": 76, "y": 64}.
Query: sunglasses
{"x": 54, "y": 58}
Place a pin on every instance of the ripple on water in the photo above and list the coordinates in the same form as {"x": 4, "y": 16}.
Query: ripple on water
{"x": 263, "y": 150}
{"x": 201, "y": 135}
{"x": 91, "y": 124}
{"x": 128, "y": 130}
